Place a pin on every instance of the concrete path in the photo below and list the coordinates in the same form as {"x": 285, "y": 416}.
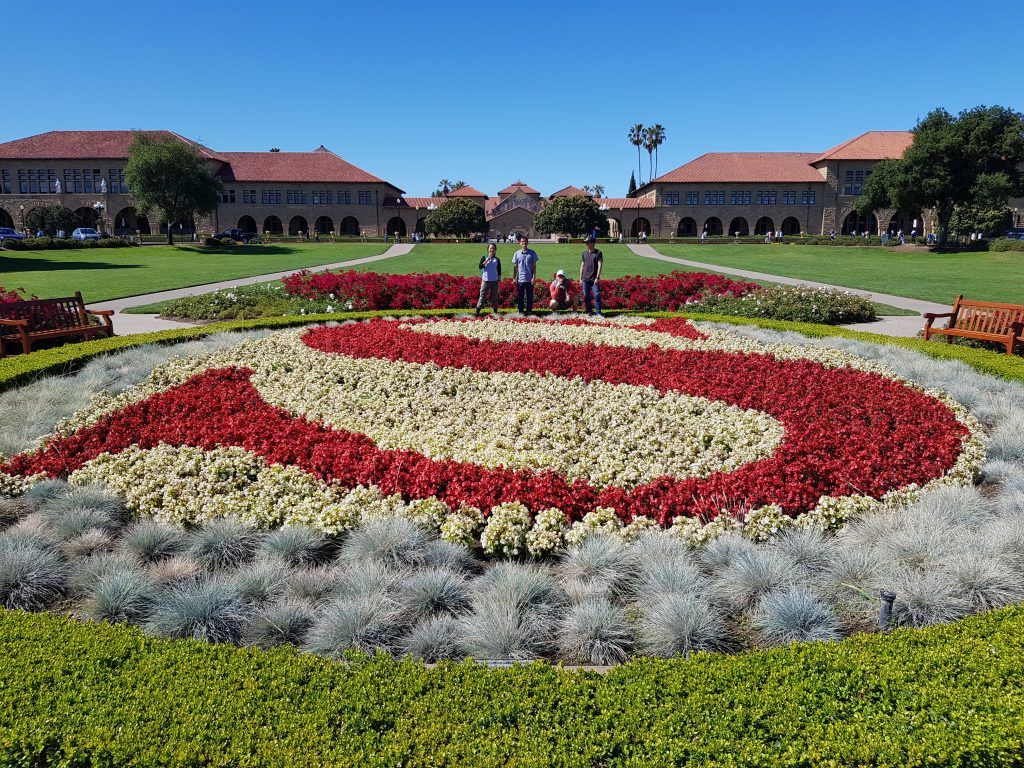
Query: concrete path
{"x": 894, "y": 325}
{"x": 125, "y": 324}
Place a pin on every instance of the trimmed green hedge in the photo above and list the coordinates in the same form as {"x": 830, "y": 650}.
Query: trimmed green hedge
{"x": 97, "y": 695}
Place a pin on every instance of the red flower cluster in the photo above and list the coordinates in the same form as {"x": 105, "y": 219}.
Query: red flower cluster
{"x": 9, "y": 295}
{"x": 369, "y": 291}
{"x": 846, "y": 431}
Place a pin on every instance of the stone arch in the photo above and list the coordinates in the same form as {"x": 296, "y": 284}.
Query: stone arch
{"x": 85, "y": 217}
{"x": 640, "y": 225}
{"x": 298, "y": 224}
{"x": 713, "y": 227}
{"x": 349, "y": 227}
{"x": 858, "y": 223}
{"x": 324, "y": 225}
{"x": 764, "y": 225}
{"x": 687, "y": 227}
{"x": 5, "y": 219}
{"x": 905, "y": 220}
{"x": 421, "y": 225}
{"x": 247, "y": 224}
{"x": 180, "y": 227}
{"x": 273, "y": 225}
{"x": 396, "y": 224}
{"x": 739, "y": 226}
{"x": 128, "y": 221}
{"x": 791, "y": 226}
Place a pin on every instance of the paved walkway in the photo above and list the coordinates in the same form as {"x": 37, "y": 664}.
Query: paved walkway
{"x": 894, "y": 325}
{"x": 125, "y": 324}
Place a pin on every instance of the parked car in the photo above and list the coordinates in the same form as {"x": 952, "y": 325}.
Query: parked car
{"x": 6, "y": 233}
{"x": 237, "y": 235}
{"x": 1017, "y": 233}
{"x": 85, "y": 233}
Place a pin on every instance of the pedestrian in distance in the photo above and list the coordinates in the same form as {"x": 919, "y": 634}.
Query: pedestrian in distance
{"x": 524, "y": 265}
{"x": 490, "y": 279}
{"x": 591, "y": 264}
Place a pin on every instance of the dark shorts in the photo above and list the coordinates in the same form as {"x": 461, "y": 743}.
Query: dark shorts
{"x": 561, "y": 304}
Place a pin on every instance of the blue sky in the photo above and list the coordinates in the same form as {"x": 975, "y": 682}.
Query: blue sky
{"x": 493, "y": 91}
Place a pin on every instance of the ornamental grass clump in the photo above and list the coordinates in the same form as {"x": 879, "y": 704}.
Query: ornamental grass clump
{"x": 807, "y": 547}
{"x": 794, "y": 615}
{"x": 432, "y": 591}
{"x": 260, "y": 582}
{"x": 720, "y": 552}
{"x": 658, "y": 579}
{"x": 209, "y": 609}
{"x": 31, "y": 577}
{"x": 502, "y": 630}
{"x": 284, "y": 622}
{"x": 223, "y": 543}
{"x": 680, "y": 625}
{"x": 924, "y": 598}
{"x": 297, "y": 546}
{"x": 985, "y": 579}
{"x": 313, "y": 585}
{"x": 149, "y": 541}
{"x": 368, "y": 578}
{"x": 444, "y": 554}
{"x": 86, "y": 572}
{"x": 522, "y": 586}
{"x": 367, "y": 623}
{"x": 122, "y": 596}
{"x": 595, "y": 631}
{"x": 389, "y": 540}
{"x": 606, "y": 562}
{"x": 753, "y": 575}
{"x": 434, "y": 639}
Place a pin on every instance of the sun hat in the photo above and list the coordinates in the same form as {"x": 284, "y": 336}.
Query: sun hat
{"x": 560, "y": 273}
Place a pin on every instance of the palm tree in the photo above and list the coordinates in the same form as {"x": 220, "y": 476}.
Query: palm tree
{"x": 650, "y": 142}
{"x": 636, "y": 138}
{"x": 598, "y": 190}
{"x": 658, "y": 131}
{"x": 443, "y": 188}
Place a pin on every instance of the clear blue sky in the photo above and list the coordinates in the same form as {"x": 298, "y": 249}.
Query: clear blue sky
{"x": 490, "y": 91}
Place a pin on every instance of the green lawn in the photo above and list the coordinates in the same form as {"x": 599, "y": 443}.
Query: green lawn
{"x": 997, "y": 276}
{"x": 109, "y": 273}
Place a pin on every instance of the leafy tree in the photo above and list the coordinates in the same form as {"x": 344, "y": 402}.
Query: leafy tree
{"x": 971, "y": 161}
{"x": 574, "y": 216}
{"x": 51, "y": 219}
{"x": 971, "y": 218}
{"x": 636, "y": 138}
{"x": 275, "y": 149}
{"x": 457, "y": 216}
{"x": 445, "y": 187}
{"x": 597, "y": 190}
{"x": 632, "y": 185}
{"x": 170, "y": 177}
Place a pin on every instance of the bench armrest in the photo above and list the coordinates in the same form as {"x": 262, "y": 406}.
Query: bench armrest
{"x": 937, "y": 315}
{"x": 16, "y": 323}
{"x": 101, "y": 312}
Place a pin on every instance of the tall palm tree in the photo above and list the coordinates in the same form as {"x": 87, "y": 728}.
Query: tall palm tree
{"x": 658, "y": 131}
{"x": 650, "y": 142}
{"x": 598, "y": 190}
{"x": 636, "y": 138}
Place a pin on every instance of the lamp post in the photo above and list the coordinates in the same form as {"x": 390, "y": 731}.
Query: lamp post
{"x": 98, "y": 207}
{"x": 21, "y": 209}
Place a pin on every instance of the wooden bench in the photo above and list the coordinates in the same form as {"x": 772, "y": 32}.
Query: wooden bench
{"x": 988, "y": 320}
{"x": 38, "y": 319}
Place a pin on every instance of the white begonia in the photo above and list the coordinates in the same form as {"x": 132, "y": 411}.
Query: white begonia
{"x": 547, "y": 533}
{"x": 505, "y": 532}
{"x": 463, "y": 526}
{"x": 762, "y": 523}
{"x": 429, "y": 513}
{"x": 640, "y": 525}
{"x": 600, "y": 520}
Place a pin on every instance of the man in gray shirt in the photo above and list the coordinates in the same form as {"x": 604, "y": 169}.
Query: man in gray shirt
{"x": 524, "y": 267}
{"x": 590, "y": 274}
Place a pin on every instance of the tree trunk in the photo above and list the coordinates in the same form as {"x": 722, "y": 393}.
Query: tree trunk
{"x": 943, "y": 214}
{"x": 639, "y": 168}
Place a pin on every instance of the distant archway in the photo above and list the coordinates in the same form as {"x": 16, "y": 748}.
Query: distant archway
{"x": 247, "y": 224}
{"x": 324, "y": 225}
{"x": 396, "y": 224}
{"x": 687, "y": 227}
{"x": 640, "y": 225}
{"x": 180, "y": 227}
{"x": 791, "y": 226}
{"x": 857, "y": 224}
{"x": 349, "y": 227}
{"x": 86, "y": 217}
{"x": 297, "y": 224}
{"x": 128, "y": 222}
{"x": 421, "y": 226}
{"x": 273, "y": 225}
{"x": 5, "y": 219}
{"x": 764, "y": 225}
{"x": 739, "y": 226}
{"x": 713, "y": 227}
{"x": 905, "y": 221}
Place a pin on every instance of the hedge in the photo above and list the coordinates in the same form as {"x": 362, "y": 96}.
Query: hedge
{"x": 64, "y": 244}
{"x": 94, "y": 694}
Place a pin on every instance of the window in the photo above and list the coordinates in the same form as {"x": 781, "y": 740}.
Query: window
{"x": 671, "y": 198}
{"x": 36, "y": 181}
{"x": 758, "y": 198}
{"x": 227, "y": 195}
{"x": 807, "y": 198}
{"x": 773, "y": 198}
{"x": 858, "y": 182}
{"x": 365, "y": 198}
{"x": 344, "y": 198}
{"x": 270, "y": 196}
{"x": 5, "y": 182}
{"x": 693, "y": 198}
{"x": 810, "y": 198}
{"x": 249, "y": 196}
{"x": 707, "y": 198}
{"x": 732, "y": 198}
{"x": 746, "y": 199}
{"x": 116, "y": 183}
{"x": 848, "y": 183}
{"x": 322, "y": 198}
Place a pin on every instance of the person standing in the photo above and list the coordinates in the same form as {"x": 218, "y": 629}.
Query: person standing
{"x": 591, "y": 264}
{"x": 524, "y": 264}
{"x": 490, "y": 279}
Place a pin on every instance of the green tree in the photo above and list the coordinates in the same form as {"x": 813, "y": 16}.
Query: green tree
{"x": 444, "y": 187}
{"x": 51, "y": 219}
{"x": 457, "y": 216}
{"x": 657, "y": 136}
{"x": 574, "y": 216}
{"x": 971, "y": 218}
{"x": 970, "y": 161}
{"x": 170, "y": 177}
{"x": 649, "y": 142}
{"x": 636, "y": 138}
{"x": 632, "y": 185}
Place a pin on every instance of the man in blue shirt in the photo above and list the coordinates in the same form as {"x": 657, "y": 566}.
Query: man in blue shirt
{"x": 524, "y": 266}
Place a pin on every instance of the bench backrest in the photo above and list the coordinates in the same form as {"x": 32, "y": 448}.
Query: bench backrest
{"x": 987, "y": 316}
{"x": 48, "y": 314}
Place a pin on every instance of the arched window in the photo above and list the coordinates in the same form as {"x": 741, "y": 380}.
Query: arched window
{"x": 764, "y": 225}
{"x": 5, "y": 219}
{"x": 86, "y": 217}
{"x": 396, "y": 224}
{"x": 640, "y": 225}
{"x": 713, "y": 227}
{"x": 858, "y": 223}
{"x": 297, "y": 224}
{"x": 128, "y": 222}
{"x": 739, "y": 227}
{"x": 247, "y": 224}
{"x": 324, "y": 225}
{"x": 349, "y": 227}
{"x": 791, "y": 226}
{"x": 273, "y": 225}
{"x": 687, "y": 227}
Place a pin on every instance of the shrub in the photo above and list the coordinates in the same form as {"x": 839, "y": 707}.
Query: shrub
{"x": 208, "y": 610}
{"x": 679, "y": 625}
{"x": 151, "y": 542}
{"x": 122, "y": 596}
{"x": 790, "y": 302}
{"x": 31, "y": 577}
{"x": 792, "y": 616}
{"x": 223, "y": 543}
{"x": 366, "y": 623}
{"x": 595, "y": 631}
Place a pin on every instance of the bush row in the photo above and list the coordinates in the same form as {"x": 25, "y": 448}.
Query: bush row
{"x": 792, "y": 302}
{"x": 76, "y": 694}
{"x": 64, "y": 243}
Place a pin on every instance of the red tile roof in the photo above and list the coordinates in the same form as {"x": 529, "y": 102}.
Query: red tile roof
{"x": 526, "y": 188}
{"x": 85, "y": 145}
{"x": 422, "y": 202}
{"x": 571, "y": 191}
{"x": 745, "y": 167}
{"x": 617, "y": 203}
{"x": 467, "y": 191}
{"x": 321, "y": 166}
{"x": 872, "y": 145}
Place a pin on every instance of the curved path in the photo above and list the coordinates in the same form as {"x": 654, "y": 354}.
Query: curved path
{"x": 893, "y": 325}
{"x": 125, "y": 324}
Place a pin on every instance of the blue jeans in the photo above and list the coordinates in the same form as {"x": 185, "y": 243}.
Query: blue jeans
{"x": 592, "y": 296}
{"x": 524, "y": 297}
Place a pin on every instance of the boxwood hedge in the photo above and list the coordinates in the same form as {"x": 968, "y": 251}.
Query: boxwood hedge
{"x": 89, "y": 695}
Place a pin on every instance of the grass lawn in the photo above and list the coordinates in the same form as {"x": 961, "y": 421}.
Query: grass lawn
{"x": 931, "y": 276}
{"x": 109, "y": 273}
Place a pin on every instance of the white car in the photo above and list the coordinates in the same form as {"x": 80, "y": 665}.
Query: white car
{"x": 85, "y": 233}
